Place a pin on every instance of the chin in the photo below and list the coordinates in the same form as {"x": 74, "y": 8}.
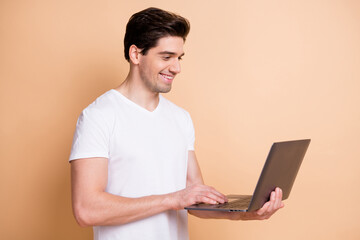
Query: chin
{"x": 164, "y": 89}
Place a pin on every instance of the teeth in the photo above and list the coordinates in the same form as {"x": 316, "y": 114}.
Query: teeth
{"x": 168, "y": 77}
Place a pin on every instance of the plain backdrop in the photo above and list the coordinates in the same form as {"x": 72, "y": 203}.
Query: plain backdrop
{"x": 255, "y": 72}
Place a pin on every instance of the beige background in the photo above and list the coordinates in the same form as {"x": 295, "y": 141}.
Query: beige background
{"x": 254, "y": 72}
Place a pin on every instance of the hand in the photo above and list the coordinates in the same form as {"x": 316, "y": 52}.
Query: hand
{"x": 197, "y": 193}
{"x": 267, "y": 210}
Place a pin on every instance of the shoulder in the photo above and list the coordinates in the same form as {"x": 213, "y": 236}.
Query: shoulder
{"x": 102, "y": 109}
{"x": 103, "y": 104}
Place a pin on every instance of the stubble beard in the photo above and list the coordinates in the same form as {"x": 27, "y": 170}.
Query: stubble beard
{"x": 155, "y": 87}
{"x": 162, "y": 89}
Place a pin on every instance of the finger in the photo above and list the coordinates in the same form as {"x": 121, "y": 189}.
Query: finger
{"x": 272, "y": 202}
{"x": 263, "y": 209}
{"x": 201, "y": 187}
{"x": 206, "y": 200}
{"x": 278, "y": 198}
{"x": 202, "y": 196}
{"x": 213, "y": 196}
{"x": 216, "y": 195}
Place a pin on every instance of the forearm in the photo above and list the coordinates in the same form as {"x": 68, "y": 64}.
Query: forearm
{"x": 93, "y": 206}
{"x": 108, "y": 209}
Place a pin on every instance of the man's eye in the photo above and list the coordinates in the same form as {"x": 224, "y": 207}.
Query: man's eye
{"x": 180, "y": 58}
{"x": 166, "y": 58}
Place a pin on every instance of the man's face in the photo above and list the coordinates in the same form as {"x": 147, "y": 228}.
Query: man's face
{"x": 160, "y": 65}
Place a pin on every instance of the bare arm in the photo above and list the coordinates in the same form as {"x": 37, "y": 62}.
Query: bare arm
{"x": 93, "y": 206}
{"x": 269, "y": 208}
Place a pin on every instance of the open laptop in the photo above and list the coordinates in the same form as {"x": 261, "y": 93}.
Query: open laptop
{"x": 280, "y": 170}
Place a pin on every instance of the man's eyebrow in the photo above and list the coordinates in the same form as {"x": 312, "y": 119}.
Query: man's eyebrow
{"x": 170, "y": 53}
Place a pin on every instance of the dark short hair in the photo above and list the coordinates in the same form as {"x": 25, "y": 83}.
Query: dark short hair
{"x": 146, "y": 27}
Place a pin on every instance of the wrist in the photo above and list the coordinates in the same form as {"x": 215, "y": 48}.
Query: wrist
{"x": 170, "y": 201}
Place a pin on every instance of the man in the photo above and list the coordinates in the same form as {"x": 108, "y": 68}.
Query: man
{"x": 133, "y": 163}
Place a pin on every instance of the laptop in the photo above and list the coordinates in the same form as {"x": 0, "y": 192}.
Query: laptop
{"x": 280, "y": 170}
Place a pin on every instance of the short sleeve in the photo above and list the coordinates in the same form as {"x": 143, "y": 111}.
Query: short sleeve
{"x": 190, "y": 134}
{"x": 91, "y": 137}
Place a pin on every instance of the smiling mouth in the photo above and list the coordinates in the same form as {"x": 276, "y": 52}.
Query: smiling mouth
{"x": 167, "y": 78}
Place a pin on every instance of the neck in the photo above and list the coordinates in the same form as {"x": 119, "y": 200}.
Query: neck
{"x": 134, "y": 89}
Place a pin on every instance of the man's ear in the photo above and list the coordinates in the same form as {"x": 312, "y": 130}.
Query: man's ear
{"x": 134, "y": 54}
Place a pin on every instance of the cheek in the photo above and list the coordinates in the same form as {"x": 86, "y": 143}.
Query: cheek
{"x": 145, "y": 68}
{"x": 159, "y": 66}
{"x": 153, "y": 67}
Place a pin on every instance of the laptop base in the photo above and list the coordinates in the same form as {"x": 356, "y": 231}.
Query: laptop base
{"x": 237, "y": 203}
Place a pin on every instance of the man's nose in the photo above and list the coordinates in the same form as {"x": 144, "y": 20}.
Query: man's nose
{"x": 175, "y": 67}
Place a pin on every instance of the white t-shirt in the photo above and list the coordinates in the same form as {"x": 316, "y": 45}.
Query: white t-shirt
{"x": 147, "y": 155}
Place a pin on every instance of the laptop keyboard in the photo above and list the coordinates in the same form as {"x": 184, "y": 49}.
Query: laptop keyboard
{"x": 242, "y": 203}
